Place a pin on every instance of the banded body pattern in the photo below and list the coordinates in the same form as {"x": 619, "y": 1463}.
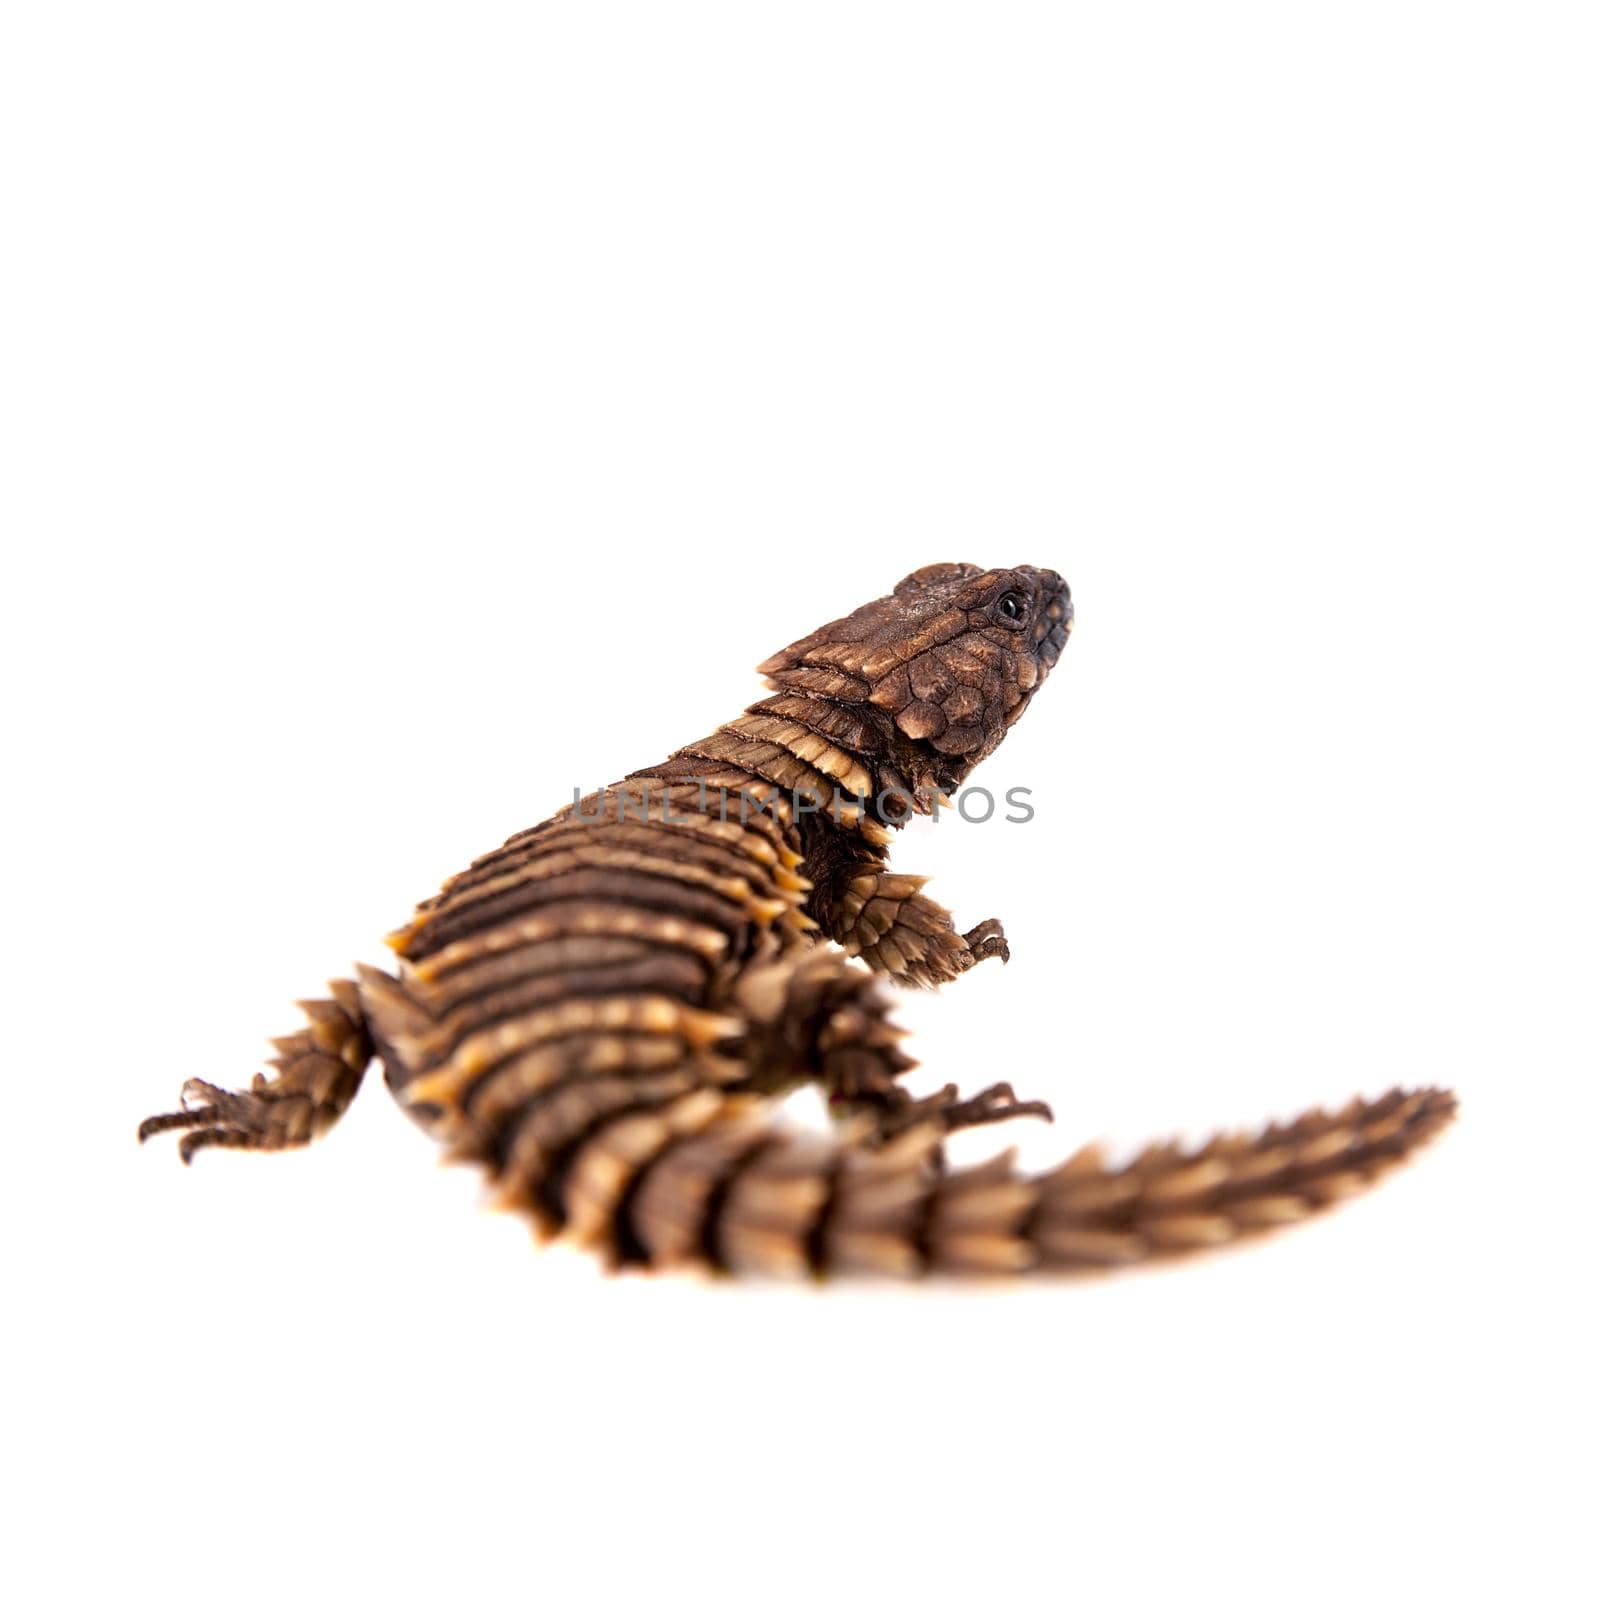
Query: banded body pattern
{"x": 582, "y": 978}
{"x": 594, "y": 1009}
{"x": 603, "y": 1010}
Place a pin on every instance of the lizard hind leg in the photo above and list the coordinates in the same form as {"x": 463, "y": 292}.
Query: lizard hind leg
{"x": 819, "y": 1018}
{"x": 315, "y": 1077}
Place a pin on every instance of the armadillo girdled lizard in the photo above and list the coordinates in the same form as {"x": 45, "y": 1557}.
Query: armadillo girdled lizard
{"x": 603, "y": 1011}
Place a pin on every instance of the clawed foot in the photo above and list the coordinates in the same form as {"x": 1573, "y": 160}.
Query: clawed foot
{"x": 986, "y": 940}
{"x": 267, "y": 1116}
{"x": 897, "y": 930}
{"x": 954, "y": 953}
{"x": 312, "y": 1079}
{"x": 943, "y": 955}
{"x": 998, "y": 1103}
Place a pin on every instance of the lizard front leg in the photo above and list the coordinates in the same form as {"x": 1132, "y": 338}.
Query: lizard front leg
{"x": 886, "y": 920}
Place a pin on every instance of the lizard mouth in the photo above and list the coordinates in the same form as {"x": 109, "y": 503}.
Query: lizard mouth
{"x": 1054, "y": 625}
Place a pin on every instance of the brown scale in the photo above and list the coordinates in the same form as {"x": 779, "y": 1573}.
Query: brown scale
{"x": 535, "y": 877}
{"x": 696, "y": 839}
{"x": 689, "y": 861}
{"x": 635, "y": 802}
{"x": 604, "y": 1010}
{"x": 660, "y": 891}
{"x": 524, "y": 937}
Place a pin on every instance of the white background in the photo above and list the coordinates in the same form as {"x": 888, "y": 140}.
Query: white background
{"x": 413, "y": 411}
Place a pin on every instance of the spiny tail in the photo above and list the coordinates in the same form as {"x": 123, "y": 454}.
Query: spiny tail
{"x": 1165, "y": 1201}
{"x": 703, "y": 1181}
{"x": 313, "y": 1078}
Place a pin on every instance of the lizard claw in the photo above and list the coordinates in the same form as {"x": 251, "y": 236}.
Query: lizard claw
{"x": 998, "y": 1103}
{"x": 986, "y": 940}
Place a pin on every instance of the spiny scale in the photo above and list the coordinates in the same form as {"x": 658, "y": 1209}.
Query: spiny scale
{"x": 603, "y": 1010}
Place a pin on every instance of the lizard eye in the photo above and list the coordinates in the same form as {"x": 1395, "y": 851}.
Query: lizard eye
{"x": 1012, "y": 607}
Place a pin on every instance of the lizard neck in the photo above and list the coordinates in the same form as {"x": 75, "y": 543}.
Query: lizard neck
{"x": 850, "y": 776}
{"x": 852, "y": 752}
{"x": 841, "y": 767}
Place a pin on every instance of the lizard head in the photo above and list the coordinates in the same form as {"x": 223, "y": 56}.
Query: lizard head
{"x": 942, "y": 667}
